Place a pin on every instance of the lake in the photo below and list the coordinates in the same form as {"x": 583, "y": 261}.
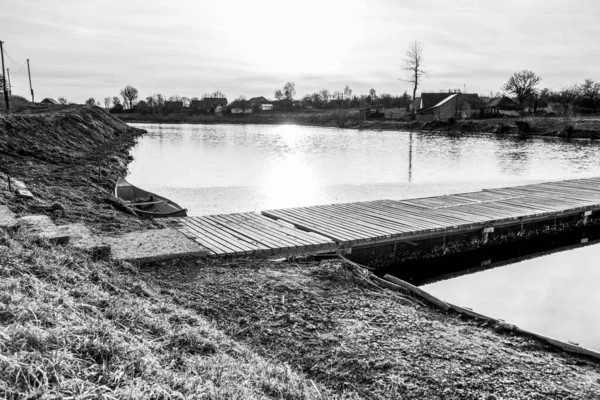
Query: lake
{"x": 212, "y": 169}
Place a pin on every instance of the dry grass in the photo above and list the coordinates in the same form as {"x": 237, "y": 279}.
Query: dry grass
{"x": 72, "y": 328}
{"x": 353, "y": 337}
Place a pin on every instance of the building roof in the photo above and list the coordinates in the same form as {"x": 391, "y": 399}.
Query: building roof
{"x": 48, "y": 100}
{"x": 431, "y": 99}
{"x": 259, "y": 100}
{"x": 215, "y": 101}
{"x": 503, "y": 102}
{"x": 447, "y": 98}
{"x": 473, "y": 99}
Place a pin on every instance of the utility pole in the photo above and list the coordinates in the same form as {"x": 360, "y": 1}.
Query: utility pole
{"x": 3, "y": 77}
{"x": 9, "y": 85}
{"x": 29, "y": 72}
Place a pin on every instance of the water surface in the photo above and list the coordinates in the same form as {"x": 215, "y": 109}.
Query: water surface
{"x": 232, "y": 168}
{"x": 554, "y": 295}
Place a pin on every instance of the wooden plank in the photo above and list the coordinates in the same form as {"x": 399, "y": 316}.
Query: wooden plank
{"x": 297, "y": 235}
{"x": 224, "y": 242}
{"x": 205, "y": 238}
{"x": 244, "y": 243}
{"x": 308, "y": 224}
{"x": 275, "y": 244}
{"x": 392, "y": 220}
{"x": 345, "y": 223}
{"x": 366, "y": 224}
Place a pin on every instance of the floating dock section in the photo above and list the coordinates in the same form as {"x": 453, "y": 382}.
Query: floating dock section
{"x": 350, "y": 227}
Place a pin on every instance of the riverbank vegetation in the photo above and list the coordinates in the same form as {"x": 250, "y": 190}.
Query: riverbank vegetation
{"x": 73, "y": 326}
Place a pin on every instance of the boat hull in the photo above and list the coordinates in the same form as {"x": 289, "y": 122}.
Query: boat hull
{"x": 147, "y": 204}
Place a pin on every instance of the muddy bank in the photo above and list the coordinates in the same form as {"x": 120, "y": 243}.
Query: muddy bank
{"x": 346, "y": 332}
{"x": 536, "y": 126}
{"x": 69, "y": 157}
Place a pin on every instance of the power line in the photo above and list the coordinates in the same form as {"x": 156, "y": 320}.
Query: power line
{"x": 9, "y": 57}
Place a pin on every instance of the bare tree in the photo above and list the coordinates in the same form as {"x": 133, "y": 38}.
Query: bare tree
{"x": 373, "y": 94}
{"x": 347, "y": 92}
{"x": 324, "y": 95}
{"x": 413, "y": 64}
{"x": 130, "y": 95}
{"x": 62, "y": 100}
{"x": 289, "y": 90}
{"x": 116, "y": 101}
{"x": 107, "y": 102}
{"x": 278, "y": 94}
{"x": 217, "y": 94}
{"x": 91, "y": 101}
{"x": 522, "y": 85}
{"x": 176, "y": 97}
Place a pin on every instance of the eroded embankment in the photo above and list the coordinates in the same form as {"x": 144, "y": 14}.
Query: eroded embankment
{"x": 69, "y": 157}
{"x": 73, "y": 327}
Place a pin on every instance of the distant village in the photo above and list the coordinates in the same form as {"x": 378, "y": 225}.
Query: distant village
{"x": 428, "y": 106}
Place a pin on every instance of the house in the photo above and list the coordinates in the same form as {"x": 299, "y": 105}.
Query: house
{"x": 437, "y": 106}
{"x": 257, "y": 101}
{"x": 141, "y": 107}
{"x": 470, "y": 105}
{"x": 48, "y": 100}
{"x": 502, "y": 106}
{"x": 266, "y": 107}
{"x": 214, "y": 104}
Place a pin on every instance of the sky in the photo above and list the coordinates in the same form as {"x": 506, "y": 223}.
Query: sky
{"x": 95, "y": 48}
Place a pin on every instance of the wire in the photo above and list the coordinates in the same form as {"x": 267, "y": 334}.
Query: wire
{"x": 9, "y": 57}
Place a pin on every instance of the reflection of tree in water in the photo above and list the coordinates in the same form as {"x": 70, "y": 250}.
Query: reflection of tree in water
{"x": 512, "y": 156}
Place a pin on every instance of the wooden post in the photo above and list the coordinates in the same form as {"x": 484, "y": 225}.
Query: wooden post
{"x": 485, "y": 233}
{"x": 586, "y": 216}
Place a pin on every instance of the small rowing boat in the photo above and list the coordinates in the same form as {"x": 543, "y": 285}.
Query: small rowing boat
{"x": 145, "y": 203}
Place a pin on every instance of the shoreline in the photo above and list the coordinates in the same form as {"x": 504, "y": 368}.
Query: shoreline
{"x": 248, "y": 328}
{"x": 588, "y": 128}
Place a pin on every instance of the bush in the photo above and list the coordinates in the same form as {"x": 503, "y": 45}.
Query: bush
{"x": 523, "y": 126}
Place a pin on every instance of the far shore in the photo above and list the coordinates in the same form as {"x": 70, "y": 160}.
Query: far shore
{"x": 568, "y": 128}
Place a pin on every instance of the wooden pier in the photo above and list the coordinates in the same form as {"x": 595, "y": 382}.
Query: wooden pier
{"x": 340, "y": 227}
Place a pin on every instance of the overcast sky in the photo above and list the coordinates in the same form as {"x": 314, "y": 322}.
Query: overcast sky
{"x": 94, "y": 48}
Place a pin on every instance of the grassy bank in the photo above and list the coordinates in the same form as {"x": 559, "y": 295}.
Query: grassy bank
{"x": 568, "y": 128}
{"x": 75, "y": 327}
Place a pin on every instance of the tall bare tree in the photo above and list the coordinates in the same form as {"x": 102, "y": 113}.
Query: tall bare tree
{"x": 278, "y": 94}
{"x": 116, "y": 101}
{"x": 522, "y": 85}
{"x": 107, "y": 102}
{"x": 413, "y": 64}
{"x": 129, "y": 94}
